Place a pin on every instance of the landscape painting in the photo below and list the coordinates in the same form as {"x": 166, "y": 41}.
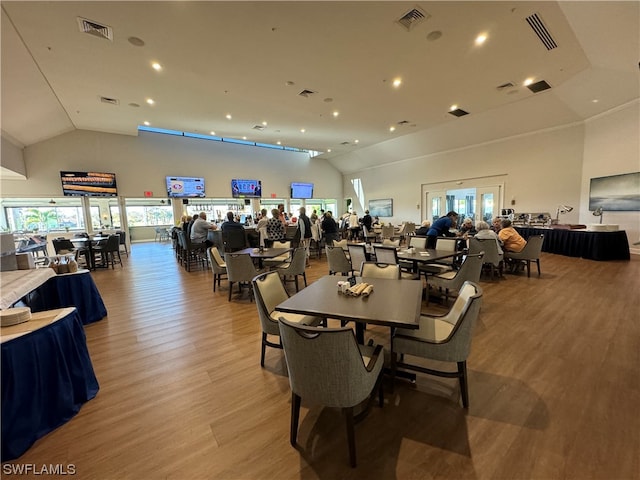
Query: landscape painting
{"x": 381, "y": 208}
{"x": 615, "y": 193}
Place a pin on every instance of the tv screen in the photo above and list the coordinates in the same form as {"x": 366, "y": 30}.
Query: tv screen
{"x": 301, "y": 190}
{"x": 89, "y": 184}
{"x": 185, "y": 187}
{"x": 246, "y": 188}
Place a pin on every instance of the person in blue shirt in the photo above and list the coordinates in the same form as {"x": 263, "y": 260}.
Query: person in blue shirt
{"x": 441, "y": 228}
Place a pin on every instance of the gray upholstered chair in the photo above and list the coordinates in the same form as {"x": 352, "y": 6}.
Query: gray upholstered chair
{"x": 357, "y": 255}
{"x": 295, "y": 267}
{"x": 445, "y": 338}
{"x": 492, "y": 258}
{"x": 418, "y": 242}
{"x": 369, "y": 235}
{"x": 388, "y": 242}
{"x": 270, "y": 292}
{"x": 328, "y": 367}
{"x": 218, "y": 267}
{"x": 338, "y": 261}
{"x": 240, "y": 270}
{"x": 380, "y": 270}
{"x": 389, "y": 254}
{"x": 450, "y": 282}
{"x": 530, "y": 252}
{"x": 280, "y": 259}
{"x": 447, "y": 244}
{"x": 342, "y": 244}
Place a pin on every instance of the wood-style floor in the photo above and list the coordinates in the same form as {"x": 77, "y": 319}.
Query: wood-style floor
{"x": 554, "y": 387}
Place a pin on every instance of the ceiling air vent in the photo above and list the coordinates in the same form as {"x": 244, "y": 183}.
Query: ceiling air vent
{"x": 95, "y": 29}
{"x": 458, "y": 112}
{"x": 412, "y": 18}
{"x": 345, "y": 143}
{"x": 504, "y": 86}
{"x": 539, "y": 86}
{"x": 403, "y": 122}
{"x": 307, "y": 93}
{"x": 258, "y": 127}
{"x": 540, "y": 29}
{"x": 112, "y": 101}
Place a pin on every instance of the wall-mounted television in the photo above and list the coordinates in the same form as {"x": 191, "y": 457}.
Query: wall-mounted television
{"x": 88, "y": 184}
{"x": 246, "y": 188}
{"x": 301, "y": 190}
{"x": 185, "y": 187}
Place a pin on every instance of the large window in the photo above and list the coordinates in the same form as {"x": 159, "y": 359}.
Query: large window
{"x": 44, "y": 219}
{"x": 149, "y": 215}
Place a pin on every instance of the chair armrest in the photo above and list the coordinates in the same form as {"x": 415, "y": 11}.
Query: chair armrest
{"x": 374, "y": 358}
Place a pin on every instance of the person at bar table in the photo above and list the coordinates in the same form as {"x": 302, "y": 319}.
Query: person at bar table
{"x": 231, "y": 224}
{"x": 200, "y": 230}
{"x": 511, "y": 239}
{"x": 441, "y": 228}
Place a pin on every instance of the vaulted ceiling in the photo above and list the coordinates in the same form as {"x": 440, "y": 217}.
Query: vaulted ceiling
{"x": 328, "y": 68}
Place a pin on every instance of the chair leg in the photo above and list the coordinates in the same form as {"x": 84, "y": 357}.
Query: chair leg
{"x": 304, "y": 276}
{"x": 215, "y": 275}
{"x": 464, "y": 389}
{"x": 529, "y": 268}
{"x": 230, "y": 288}
{"x": 295, "y": 279}
{"x": 295, "y": 416}
{"x": 538, "y": 264}
{"x": 351, "y": 435}
{"x": 264, "y": 348}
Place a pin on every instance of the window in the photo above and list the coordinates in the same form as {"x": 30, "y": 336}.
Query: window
{"x": 44, "y": 218}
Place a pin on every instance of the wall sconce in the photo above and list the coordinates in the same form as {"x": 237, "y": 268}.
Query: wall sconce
{"x": 598, "y": 213}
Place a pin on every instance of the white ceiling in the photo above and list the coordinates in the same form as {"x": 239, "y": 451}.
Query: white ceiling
{"x": 237, "y": 58}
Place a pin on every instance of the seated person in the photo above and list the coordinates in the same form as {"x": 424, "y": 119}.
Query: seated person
{"x": 484, "y": 232}
{"x": 496, "y": 224}
{"x": 467, "y": 227}
{"x": 231, "y": 224}
{"x": 511, "y": 239}
{"x": 424, "y": 228}
{"x": 200, "y": 230}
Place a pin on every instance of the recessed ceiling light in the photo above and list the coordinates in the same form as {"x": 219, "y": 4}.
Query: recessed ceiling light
{"x": 595, "y": 100}
{"x": 392, "y": 129}
{"x": 336, "y": 113}
{"x": 156, "y": 66}
{"x": 480, "y": 39}
{"x": 279, "y": 142}
{"x": 397, "y": 82}
{"x": 264, "y": 123}
{"x": 302, "y": 130}
{"x": 528, "y": 82}
{"x": 212, "y": 132}
{"x": 328, "y": 150}
{"x": 453, "y": 107}
{"x": 228, "y": 116}
{"x": 150, "y": 101}
{"x": 146, "y": 123}
{"x": 356, "y": 141}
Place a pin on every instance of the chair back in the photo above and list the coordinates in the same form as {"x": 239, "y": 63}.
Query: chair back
{"x": 234, "y": 239}
{"x": 113, "y": 243}
{"x": 533, "y": 248}
{"x": 340, "y": 378}
{"x": 63, "y": 245}
{"x": 341, "y": 243}
{"x": 410, "y": 228}
{"x": 418, "y": 242}
{"x": 270, "y": 292}
{"x": 216, "y": 261}
{"x": 390, "y": 243}
{"x": 337, "y": 260}
{"x": 380, "y": 270}
{"x": 448, "y": 244}
{"x": 469, "y": 270}
{"x": 490, "y": 248}
{"x": 282, "y": 244}
{"x": 386, "y": 254}
{"x": 357, "y": 255}
{"x": 297, "y": 264}
{"x": 387, "y": 231}
{"x": 240, "y": 267}
{"x": 123, "y": 237}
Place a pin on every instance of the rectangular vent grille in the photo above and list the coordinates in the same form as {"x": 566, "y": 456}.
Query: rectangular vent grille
{"x": 539, "y": 86}
{"x": 412, "y": 18}
{"x": 458, "y": 112}
{"x": 112, "y": 101}
{"x": 95, "y": 29}
{"x": 538, "y": 26}
{"x": 258, "y": 127}
{"x": 307, "y": 93}
{"x": 504, "y": 86}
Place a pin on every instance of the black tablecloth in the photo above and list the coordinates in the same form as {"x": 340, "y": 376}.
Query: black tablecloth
{"x": 69, "y": 290}
{"x": 582, "y": 243}
{"x": 46, "y": 377}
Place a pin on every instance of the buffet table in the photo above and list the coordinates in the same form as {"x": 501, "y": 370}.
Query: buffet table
{"x": 16, "y": 284}
{"x": 69, "y": 290}
{"x": 47, "y": 376}
{"x": 582, "y": 243}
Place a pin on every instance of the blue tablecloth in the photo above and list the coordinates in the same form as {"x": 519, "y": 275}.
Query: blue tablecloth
{"x": 46, "y": 377}
{"x": 69, "y": 290}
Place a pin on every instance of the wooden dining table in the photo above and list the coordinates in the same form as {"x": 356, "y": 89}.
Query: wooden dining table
{"x": 88, "y": 244}
{"x": 393, "y": 303}
{"x": 263, "y": 253}
{"x": 425, "y": 256}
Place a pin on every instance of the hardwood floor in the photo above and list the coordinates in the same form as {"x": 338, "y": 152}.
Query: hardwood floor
{"x": 553, "y": 377}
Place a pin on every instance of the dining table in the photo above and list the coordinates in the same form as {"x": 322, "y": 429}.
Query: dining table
{"x": 260, "y": 254}
{"x": 424, "y": 256}
{"x": 87, "y": 245}
{"x": 393, "y": 303}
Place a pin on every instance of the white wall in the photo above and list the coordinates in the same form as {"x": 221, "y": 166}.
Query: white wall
{"x": 611, "y": 147}
{"x": 11, "y": 156}
{"x": 141, "y": 164}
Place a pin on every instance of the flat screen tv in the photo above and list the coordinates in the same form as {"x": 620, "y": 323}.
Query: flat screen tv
{"x": 88, "y": 184}
{"x": 185, "y": 187}
{"x": 246, "y": 188}
{"x": 301, "y": 190}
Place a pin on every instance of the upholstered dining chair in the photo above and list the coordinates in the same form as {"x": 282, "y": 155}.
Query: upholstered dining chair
{"x": 108, "y": 251}
{"x": 389, "y": 254}
{"x": 388, "y": 242}
{"x": 531, "y": 252}
{"x": 280, "y": 259}
{"x": 357, "y": 256}
{"x": 270, "y": 292}
{"x": 380, "y": 270}
{"x": 447, "y": 244}
{"x": 492, "y": 258}
{"x": 295, "y": 268}
{"x": 345, "y": 374}
{"x": 450, "y": 282}
{"x": 240, "y": 270}
{"x": 338, "y": 261}
{"x": 417, "y": 242}
{"x": 218, "y": 267}
{"x": 445, "y": 338}
{"x": 369, "y": 235}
